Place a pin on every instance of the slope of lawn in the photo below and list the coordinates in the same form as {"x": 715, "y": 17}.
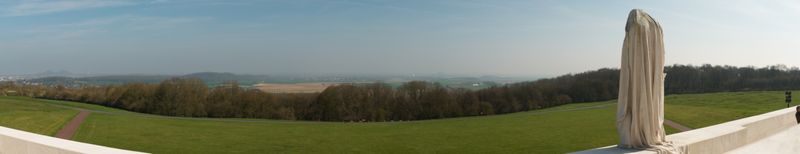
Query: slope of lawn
{"x": 32, "y": 116}
{"x": 546, "y": 131}
{"x": 701, "y": 110}
{"x": 555, "y": 130}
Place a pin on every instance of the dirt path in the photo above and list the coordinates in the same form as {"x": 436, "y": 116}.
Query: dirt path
{"x": 71, "y": 128}
{"x": 675, "y": 125}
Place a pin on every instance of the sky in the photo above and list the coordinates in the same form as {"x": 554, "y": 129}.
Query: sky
{"x": 458, "y": 37}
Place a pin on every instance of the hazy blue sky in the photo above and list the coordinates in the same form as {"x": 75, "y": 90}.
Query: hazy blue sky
{"x": 488, "y": 37}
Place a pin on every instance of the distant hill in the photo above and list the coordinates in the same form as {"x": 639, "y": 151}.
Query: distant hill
{"x": 211, "y": 75}
{"x": 50, "y": 73}
{"x": 210, "y": 78}
{"x": 54, "y": 73}
{"x": 99, "y": 80}
{"x": 216, "y": 78}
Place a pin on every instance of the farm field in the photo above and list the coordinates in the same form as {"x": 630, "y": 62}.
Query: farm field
{"x": 560, "y": 129}
{"x": 312, "y": 87}
{"x": 293, "y": 87}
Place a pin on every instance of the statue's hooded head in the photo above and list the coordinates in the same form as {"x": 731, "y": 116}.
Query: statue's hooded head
{"x": 638, "y": 19}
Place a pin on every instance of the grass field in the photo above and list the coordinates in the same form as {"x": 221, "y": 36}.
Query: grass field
{"x": 700, "y": 110}
{"x": 515, "y": 133}
{"x": 293, "y": 87}
{"x": 27, "y": 115}
{"x": 555, "y": 130}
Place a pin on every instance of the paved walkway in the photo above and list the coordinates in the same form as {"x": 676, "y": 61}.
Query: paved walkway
{"x": 71, "y": 128}
{"x": 786, "y": 141}
{"x": 675, "y": 125}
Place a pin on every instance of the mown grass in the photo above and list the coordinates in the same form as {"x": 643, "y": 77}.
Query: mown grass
{"x": 555, "y": 130}
{"x": 546, "y": 131}
{"x": 701, "y": 110}
{"x": 670, "y": 130}
{"x": 32, "y": 116}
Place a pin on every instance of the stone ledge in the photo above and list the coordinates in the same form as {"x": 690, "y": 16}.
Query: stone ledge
{"x": 21, "y": 142}
{"x": 614, "y": 150}
{"x": 723, "y": 137}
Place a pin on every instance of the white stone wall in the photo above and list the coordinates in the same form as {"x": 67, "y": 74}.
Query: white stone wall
{"x": 20, "y": 142}
{"x": 731, "y": 135}
{"x": 724, "y": 137}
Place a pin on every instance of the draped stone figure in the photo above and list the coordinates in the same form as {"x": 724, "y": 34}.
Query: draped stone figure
{"x": 640, "y": 107}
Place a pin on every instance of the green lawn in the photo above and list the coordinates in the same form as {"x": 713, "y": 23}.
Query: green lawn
{"x": 555, "y": 130}
{"x": 32, "y": 115}
{"x": 530, "y": 132}
{"x": 700, "y": 110}
{"x": 670, "y": 130}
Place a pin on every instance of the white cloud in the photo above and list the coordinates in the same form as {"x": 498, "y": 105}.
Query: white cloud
{"x": 37, "y": 7}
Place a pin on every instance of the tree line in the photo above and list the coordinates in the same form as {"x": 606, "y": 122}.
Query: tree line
{"x": 415, "y": 100}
